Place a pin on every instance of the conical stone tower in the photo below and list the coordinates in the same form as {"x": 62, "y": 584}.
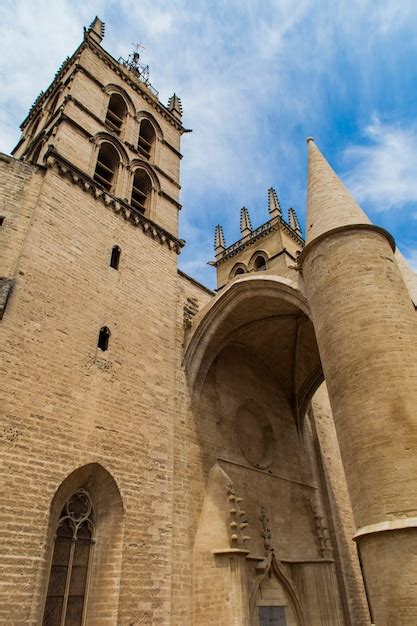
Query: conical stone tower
{"x": 366, "y": 330}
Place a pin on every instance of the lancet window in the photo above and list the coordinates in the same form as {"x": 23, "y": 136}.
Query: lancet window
{"x": 106, "y": 166}
{"x": 259, "y": 264}
{"x": 116, "y": 113}
{"x": 141, "y": 190}
{"x": 66, "y": 599}
{"x": 146, "y": 138}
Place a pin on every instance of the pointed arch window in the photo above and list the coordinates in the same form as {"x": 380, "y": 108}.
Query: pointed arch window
{"x": 106, "y": 166}
{"x": 259, "y": 264}
{"x": 147, "y": 138}
{"x": 66, "y": 599}
{"x": 141, "y": 190}
{"x": 36, "y": 153}
{"x": 116, "y": 113}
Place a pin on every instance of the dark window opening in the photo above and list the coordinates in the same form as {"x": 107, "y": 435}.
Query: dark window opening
{"x": 115, "y": 257}
{"x": 1, "y": 220}
{"x": 141, "y": 191}
{"x": 103, "y": 339}
{"x": 259, "y": 264}
{"x": 116, "y": 113}
{"x": 35, "y": 126}
{"x": 107, "y": 163}
{"x": 239, "y": 270}
{"x": 146, "y": 138}
{"x": 53, "y": 104}
{"x": 36, "y": 153}
{"x": 68, "y": 578}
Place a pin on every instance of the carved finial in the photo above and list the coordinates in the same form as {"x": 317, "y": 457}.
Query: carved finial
{"x": 274, "y": 207}
{"x": 266, "y": 531}
{"x": 293, "y": 221}
{"x": 219, "y": 243}
{"x": 175, "y": 106}
{"x": 96, "y": 30}
{"x": 245, "y": 223}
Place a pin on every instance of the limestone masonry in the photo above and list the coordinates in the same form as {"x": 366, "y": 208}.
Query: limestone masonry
{"x": 170, "y": 455}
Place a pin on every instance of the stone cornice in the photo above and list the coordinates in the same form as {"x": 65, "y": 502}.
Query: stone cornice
{"x": 344, "y": 229}
{"x": 257, "y": 234}
{"x": 402, "y": 523}
{"x": 64, "y": 168}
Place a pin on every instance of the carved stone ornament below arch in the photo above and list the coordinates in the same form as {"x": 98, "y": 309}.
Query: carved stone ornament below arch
{"x": 270, "y": 566}
{"x": 254, "y": 434}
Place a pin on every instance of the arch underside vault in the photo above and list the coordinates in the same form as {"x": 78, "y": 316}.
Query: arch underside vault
{"x": 269, "y": 318}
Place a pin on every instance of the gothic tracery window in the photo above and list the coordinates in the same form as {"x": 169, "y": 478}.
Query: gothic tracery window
{"x": 66, "y": 598}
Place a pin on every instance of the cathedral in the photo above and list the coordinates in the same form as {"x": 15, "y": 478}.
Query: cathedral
{"x": 177, "y": 456}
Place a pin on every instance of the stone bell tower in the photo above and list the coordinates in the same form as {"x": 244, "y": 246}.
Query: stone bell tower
{"x": 89, "y": 208}
{"x": 273, "y": 247}
{"x": 366, "y": 329}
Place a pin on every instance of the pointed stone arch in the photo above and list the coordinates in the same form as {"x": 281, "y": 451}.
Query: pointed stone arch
{"x": 136, "y": 164}
{"x": 102, "y": 137}
{"x": 238, "y": 270}
{"x": 259, "y": 254}
{"x": 112, "y": 88}
{"x": 144, "y": 115}
{"x": 271, "y": 566}
{"x": 106, "y": 558}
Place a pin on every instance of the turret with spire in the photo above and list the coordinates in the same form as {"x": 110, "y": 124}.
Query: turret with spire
{"x": 245, "y": 223}
{"x": 272, "y": 247}
{"x": 366, "y": 330}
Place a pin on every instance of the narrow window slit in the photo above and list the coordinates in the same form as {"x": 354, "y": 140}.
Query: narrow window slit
{"x": 103, "y": 339}
{"x": 115, "y": 257}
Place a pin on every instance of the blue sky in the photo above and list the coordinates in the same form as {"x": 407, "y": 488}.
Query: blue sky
{"x": 256, "y": 78}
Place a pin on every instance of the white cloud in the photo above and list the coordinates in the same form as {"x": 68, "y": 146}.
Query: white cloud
{"x": 254, "y": 77}
{"x": 383, "y": 171}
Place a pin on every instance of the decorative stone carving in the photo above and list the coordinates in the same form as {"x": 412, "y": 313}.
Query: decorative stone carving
{"x": 266, "y": 531}
{"x": 322, "y": 533}
{"x": 190, "y": 309}
{"x": 238, "y": 520}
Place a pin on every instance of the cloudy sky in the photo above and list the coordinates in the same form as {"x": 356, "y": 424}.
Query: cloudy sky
{"x": 256, "y": 77}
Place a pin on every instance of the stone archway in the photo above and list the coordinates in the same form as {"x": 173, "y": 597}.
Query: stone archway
{"x": 253, "y": 365}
